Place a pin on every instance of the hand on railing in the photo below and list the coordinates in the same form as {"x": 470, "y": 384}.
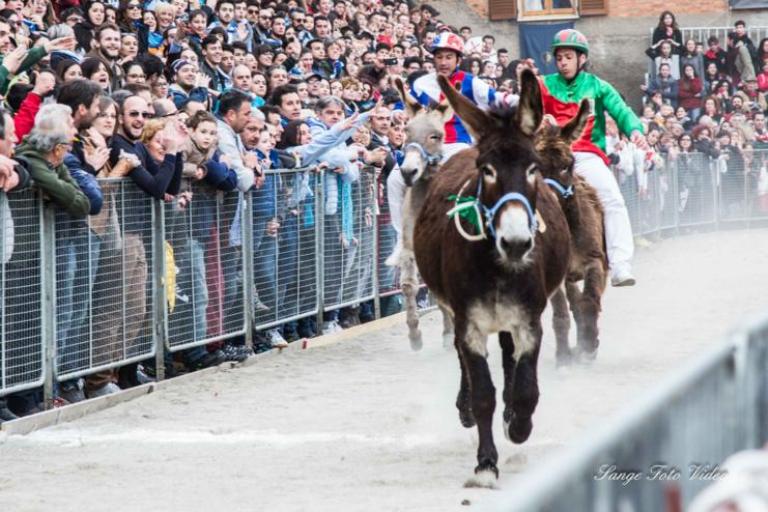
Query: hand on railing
{"x": 9, "y": 178}
{"x": 97, "y": 157}
{"x": 184, "y": 199}
{"x": 272, "y": 227}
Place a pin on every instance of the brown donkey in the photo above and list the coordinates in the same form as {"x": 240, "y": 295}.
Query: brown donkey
{"x": 588, "y": 263}
{"x": 501, "y": 282}
{"x": 423, "y": 153}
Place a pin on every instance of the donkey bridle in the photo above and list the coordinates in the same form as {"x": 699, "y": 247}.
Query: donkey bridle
{"x": 490, "y": 213}
{"x": 430, "y": 158}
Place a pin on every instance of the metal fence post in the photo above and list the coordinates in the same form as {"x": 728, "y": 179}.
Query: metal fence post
{"x": 320, "y": 247}
{"x": 48, "y": 307}
{"x": 714, "y": 175}
{"x": 160, "y": 309}
{"x": 246, "y": 232}
{"x": 376, "y": 249}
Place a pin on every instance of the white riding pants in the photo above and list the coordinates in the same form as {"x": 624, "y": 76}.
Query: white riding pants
{"x": 618, "y": 230}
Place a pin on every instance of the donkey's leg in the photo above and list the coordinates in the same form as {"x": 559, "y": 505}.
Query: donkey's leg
{"x": 464, "y": 398}
{"x": 526, "y": 387}
{"x": 409, "y": 283}
{"x": 483, "y": 398}
{"x": 448, "y": 334}
{"x": 510, "y": 365}
{"x": 589, "y": 307}
{"x": 561, "y": 323}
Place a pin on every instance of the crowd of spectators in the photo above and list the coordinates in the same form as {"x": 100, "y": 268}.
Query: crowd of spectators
{"x": 707, "y": 98}
{"x": 189, "y": 100}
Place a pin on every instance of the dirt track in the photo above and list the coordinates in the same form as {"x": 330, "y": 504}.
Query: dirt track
{"x": 369, "y": 425}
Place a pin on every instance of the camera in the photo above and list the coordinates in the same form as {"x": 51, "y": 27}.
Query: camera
{"x": 391, "y": 62}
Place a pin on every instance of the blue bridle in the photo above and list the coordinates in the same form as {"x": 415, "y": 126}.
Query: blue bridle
{"x": 490, "y": 213}
{"x": 431, "y": 159}
{"x": 564, "y": 192}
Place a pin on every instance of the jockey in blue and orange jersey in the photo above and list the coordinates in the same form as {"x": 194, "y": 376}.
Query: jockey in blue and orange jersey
{"x": 448, "y": 49}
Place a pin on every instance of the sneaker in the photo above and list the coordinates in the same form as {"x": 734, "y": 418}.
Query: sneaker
{"x": 622, "y": 277}
{"x": 236, "y": 353}
{"x": 208, "y": 360}
{"x": 331, "y": 327}
{"x": 276, "y": 339}
{"x": 110, "y": 388}
{"x": 72, "y": 392}
{"x": 143, "y": 377}
{"x": 6, "y": 414}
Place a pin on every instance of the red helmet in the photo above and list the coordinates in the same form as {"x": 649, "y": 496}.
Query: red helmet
{"x": 448, "y": 41}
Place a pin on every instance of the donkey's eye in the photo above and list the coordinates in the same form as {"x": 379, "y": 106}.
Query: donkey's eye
{"x": 488, "y": 172}
{"x": 531, "y": 170}
{"x": 435, "y": 137}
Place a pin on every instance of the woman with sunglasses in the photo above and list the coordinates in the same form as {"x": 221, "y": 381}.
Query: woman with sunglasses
{"x": 130, "y": 20}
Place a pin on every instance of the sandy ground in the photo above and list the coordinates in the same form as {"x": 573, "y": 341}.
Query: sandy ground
{"x": 369, "y": 425}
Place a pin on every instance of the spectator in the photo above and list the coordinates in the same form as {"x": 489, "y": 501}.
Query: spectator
{"x": 234, "y": 113}
{"x": 715, "y": 54}
{"x": 690, "y": 91}
{"x": 740, "y": 58}
{"x": 667, "y": 30}
{"x": 665, "y": 84}
{"x": 106, "y": 47}
{"x": 691, "y": 55}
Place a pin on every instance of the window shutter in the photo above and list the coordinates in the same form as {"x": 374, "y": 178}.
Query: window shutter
{"x": 502, "y": 9}
{"x": 593, "y": 7}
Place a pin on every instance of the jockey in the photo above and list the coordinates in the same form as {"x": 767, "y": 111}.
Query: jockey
{"x": 561, "y": 93}
{"x": 448, "y": 50}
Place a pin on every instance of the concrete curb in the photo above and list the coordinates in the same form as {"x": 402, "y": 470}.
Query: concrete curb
{"x": 71, "y": 412}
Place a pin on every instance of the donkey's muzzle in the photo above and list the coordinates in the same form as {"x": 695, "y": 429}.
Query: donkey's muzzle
{"x": 515, "y": 248}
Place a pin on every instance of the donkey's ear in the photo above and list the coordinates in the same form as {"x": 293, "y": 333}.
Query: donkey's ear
{"x": 473, "y": 118}
{"x": 412, "y": 106}
{"x": 445, "y": 111}
{"x": 572, "y": 131}
{"x": 531, "y": 108}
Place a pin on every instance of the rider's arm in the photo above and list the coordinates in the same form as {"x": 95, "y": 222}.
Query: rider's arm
{"x": 626, "y": 120}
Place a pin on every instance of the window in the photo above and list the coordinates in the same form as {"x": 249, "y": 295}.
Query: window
{"x": 548, "y": 8}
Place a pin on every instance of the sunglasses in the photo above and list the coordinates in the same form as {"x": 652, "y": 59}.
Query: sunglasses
{"x": 134, "y": 6}
{"x": 144, "y": 115}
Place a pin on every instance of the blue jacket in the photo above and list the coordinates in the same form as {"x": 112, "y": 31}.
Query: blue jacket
{"x": 86, "y": 181}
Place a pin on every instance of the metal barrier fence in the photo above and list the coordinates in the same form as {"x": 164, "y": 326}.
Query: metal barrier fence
{"x": 668, "y": 445}
{"x": 693, "y": 190}
{"x": 22, "y": 362}
{"x": 143, "y": 276}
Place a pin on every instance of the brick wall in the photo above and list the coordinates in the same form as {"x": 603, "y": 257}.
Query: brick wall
{"x": 632, "y": 8}
{"x": 627, "y": 8}
{"x": 480, "y": 7}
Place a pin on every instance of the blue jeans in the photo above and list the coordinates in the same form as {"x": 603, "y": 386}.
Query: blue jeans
{"x": 265, "y": 269}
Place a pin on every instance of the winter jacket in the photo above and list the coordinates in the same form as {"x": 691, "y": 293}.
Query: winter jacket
{"x": 689, "y": 93}
{"x": 55, "y": 182}
{"x": 561, "y": 99}
{"x": 24, "y": 119}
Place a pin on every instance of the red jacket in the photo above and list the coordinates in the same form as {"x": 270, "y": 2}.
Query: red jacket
{"x": 24, "y": 119}
{"x": 687, "y": 91}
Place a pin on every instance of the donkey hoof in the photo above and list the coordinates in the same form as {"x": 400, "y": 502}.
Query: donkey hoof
{"x": 486, "y": 475}
{"x": 519, "y": 429}
{"x": 584, "y": 356}
{"x": 563, "y": 358}
{"x": 416, "y": 341}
